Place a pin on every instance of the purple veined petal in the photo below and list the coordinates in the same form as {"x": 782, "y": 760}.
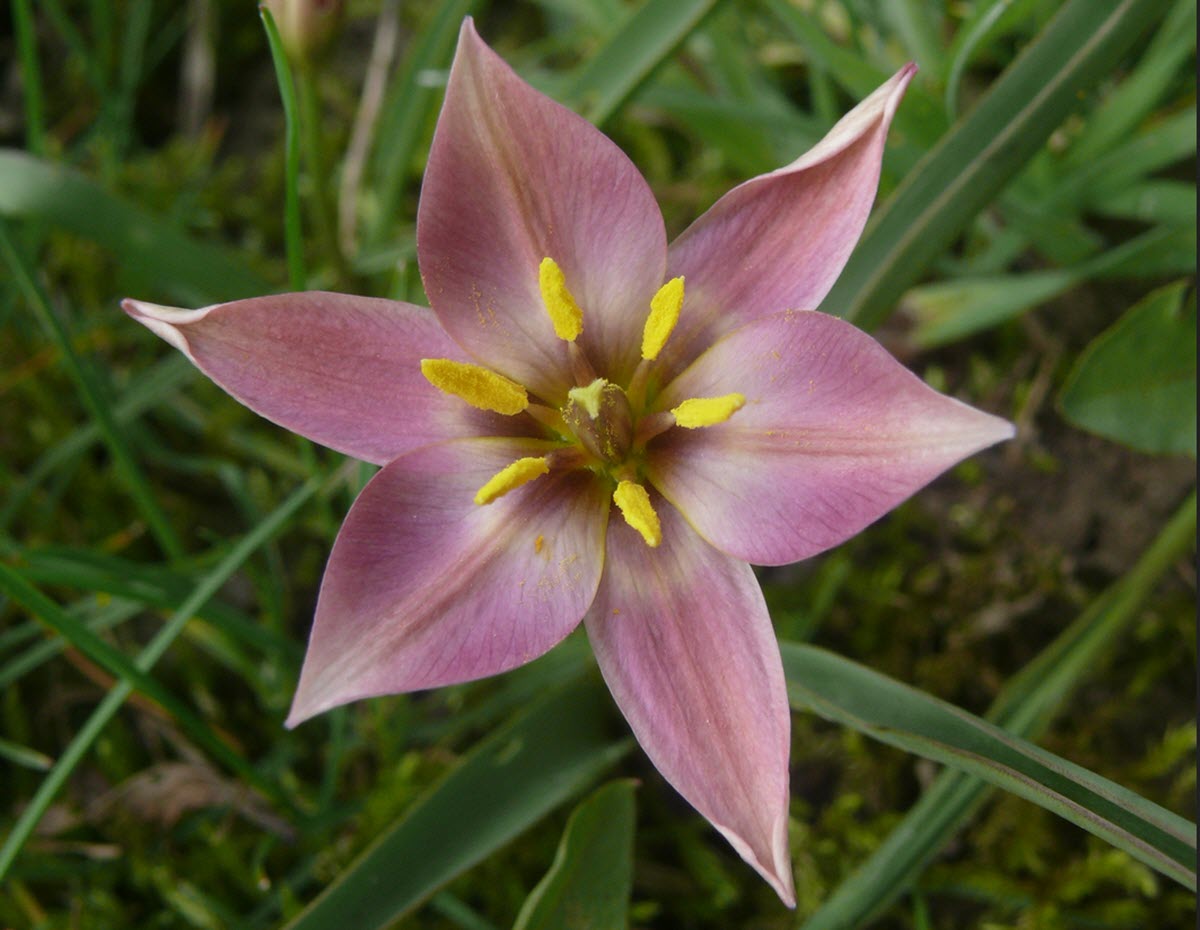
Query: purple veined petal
{"x": 834, "y": 434}
{"x": 344, "y": 371}
{"x": 426, "y": 588}
{"x": 780, "y": 240}
{"x": 684, "y": 640}
{"x": 513, "y": 178}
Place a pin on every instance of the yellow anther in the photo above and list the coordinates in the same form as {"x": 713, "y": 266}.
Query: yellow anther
{"x": 664, "y": 314}
{"x": 707, "y": 411}
{"x": 477, "y": 386}
{"x": 564, "y": 312}
{"x": 634, "y": 501}
{"x": 511, "y": 477}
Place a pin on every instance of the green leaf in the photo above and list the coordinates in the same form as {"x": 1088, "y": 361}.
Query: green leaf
{"x": 645, "y": 41}
{"x": 1136, "y": 383}
{"x": 1166, "y": 202}
{"x": 973, "y": 162}
{"x": 1024, "y": 708}
{"x": 588, "y": 886}
{"x": 1138, "y": 94}
{"x": 166, "y": 258}
{"x": 919, "y": 28}
{"x": 919, "y": 120}
{"x": 853, "y": 695}
{"x": 508, "y": 782}
{"x": 24, "y": 756}
{"x": 949, "y": 310}
{"x": 987, "y": 22}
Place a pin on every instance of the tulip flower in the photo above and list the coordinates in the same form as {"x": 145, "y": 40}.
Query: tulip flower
{"x": 593, "y": 426}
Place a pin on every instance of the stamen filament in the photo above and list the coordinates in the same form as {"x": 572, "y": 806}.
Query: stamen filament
{"x": 707, "y": 411}
{"x": 511, "y": 477}
{"x": 547, "y": 417}
{"x": 634, "y": 502}
{"x": 664, "y": 314}
{"x": 560, "y": 303}
{"x": 479, "y": 387}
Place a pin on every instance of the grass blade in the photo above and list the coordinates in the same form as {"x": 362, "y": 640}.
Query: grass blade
{"x": 1024, "y": 708}
{"x": 112, "y": 659}
{"x": 1138, "y": 94}
{"x": 984, "y": 150}
{"x": 165, "y": 258}
{"x": 153, "y": 387}
{"x": 146, "y": 659}
{"x": 642, "y": 44}
{"x": 918, "y": 25}
{"x": 508, "y": 782}
{"x": 89, "y": 389}
{"x": 946, "y": 311}
{"x": 853, "y": 695}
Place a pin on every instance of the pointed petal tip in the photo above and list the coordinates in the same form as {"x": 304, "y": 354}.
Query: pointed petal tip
{"x": 164, "y": 321}
{"x": 300, "y": 712}
{"x": 974, "y": 429}
{"x": 778, "y": 871}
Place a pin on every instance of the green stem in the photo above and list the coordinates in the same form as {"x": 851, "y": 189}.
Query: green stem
{"x": 314, "y": 160}
{"x": 31, "y": 77}
{"x": 287, "y": 93}
{"x": 85, "y": 381}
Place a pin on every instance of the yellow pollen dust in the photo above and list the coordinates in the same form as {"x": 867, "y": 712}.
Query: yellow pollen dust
{"x": 477, "y": 386}
{"x": 513, "y": 476}
{"x": 664, "y": 314}
{"x": 707, "y": 411}
{"x": 634, "y": 501}
{"x": 560, "y": 304}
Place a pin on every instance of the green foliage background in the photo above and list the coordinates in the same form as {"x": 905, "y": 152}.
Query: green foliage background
{"x": 140, "y": 503}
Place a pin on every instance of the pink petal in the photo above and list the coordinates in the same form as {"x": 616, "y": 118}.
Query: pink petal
{"x": 834, "y": 434}
{"x": 779, "y": 241}
{"x": 513, "y": 178}
{"x": 343, "y": 371}
{"x": 685, "y": 643}
{"x": 426, "y": 588}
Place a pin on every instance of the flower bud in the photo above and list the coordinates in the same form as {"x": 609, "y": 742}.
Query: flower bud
{"x": 305, "y": 26}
